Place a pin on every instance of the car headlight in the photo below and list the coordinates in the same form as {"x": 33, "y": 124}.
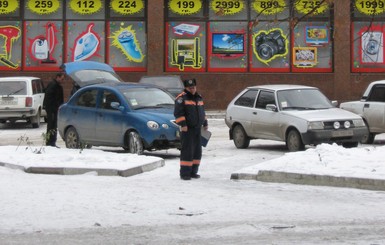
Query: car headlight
{"x": 152, "y": 125}
{"x": 315, "y": 125}
{"x": 359, "y": 123}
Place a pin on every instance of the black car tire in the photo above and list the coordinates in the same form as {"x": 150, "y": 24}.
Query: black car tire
{"x": 294, "y": 141}
{"x": 240, "y": 138}
{"x": 350, "y": 144}
{"x": 368, "y": 139}
{"x": 71, "y": 138}
{"x": 134, "y": 142}
{"x": 35, "y": 121}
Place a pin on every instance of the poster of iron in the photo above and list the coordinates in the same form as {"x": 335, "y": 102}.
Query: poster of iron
{"x": 85, "y": 41}
{"x": 9, "y": 40}
{"x": 372, "y": 47}
{"x": 305, "y": 57}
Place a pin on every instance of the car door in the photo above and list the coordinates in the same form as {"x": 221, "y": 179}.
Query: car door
{"x": 243, "y": 109}
{"x": 109, "y": 121}
{"x": 374, "y": 109}
{"x": 265, "y": 123}
{"x": 83, "y": 115}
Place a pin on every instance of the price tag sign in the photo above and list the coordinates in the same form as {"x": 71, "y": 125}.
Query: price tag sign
{"x": 313, "y": 7}
{"x": 86, "y": 6}
{"x": 269, "y": 7}
{"x": 370, "y": 7}
{"x": 185, "y": 7}
{"x": 8, "y": 6}
{"x": 127, "y": 7}
{"x": 227, "y": 7}
{"x": 43, "y": 6}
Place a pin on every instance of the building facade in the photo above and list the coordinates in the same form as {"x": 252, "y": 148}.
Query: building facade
{"x": 227, "y": 45}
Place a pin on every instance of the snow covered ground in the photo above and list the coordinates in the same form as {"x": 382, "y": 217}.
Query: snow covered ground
{"x": 157, "y": 207}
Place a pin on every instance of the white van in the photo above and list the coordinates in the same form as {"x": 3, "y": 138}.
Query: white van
{"x": 21, "y": 98}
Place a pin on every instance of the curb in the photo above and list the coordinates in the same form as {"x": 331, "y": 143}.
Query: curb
{"x": 74, "y": 171}
{"x": 312, "y": 179}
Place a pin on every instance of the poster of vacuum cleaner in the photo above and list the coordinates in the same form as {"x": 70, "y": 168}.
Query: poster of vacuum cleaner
{"x": 126, "y": 41}
{"x": 305, "y": 56}
{"x": 9, "y": 34}
{"x": 43, "y": 46}
{"x": 269, "y": 45}
{"x": 186, "y": 53}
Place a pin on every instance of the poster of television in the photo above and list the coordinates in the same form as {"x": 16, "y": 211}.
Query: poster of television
{"x": 316, "y": 35}
{"x": 305, "y": 56}
{"x": 372, "y": 47}
{"x": 230, "y": 44}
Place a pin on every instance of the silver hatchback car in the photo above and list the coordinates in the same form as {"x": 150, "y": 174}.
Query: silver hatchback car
{"x": 298, "y": 115}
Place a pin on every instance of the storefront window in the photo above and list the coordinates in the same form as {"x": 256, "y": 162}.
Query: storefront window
{"x": 255, "y": 35}
{"x": 368, "y": 36}
{"x": 42, "y": 35}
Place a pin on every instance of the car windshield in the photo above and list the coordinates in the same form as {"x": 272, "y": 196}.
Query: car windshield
{"x": 13, "y": 88}
{"x": 302, "y": 99}
{"x": 147, "y": 97}
{"x": 87, "y": 77}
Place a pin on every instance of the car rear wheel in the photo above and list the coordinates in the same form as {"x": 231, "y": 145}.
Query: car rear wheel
{"x": 294, "y": 141}
{"x": 240, "y": 138}
{"x": 135, "y": 144}
{"x": 35, "y": 121}
{"x": 71, "y": 138}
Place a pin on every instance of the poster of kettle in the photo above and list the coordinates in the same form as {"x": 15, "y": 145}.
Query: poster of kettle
{"x": 42, "y": 46}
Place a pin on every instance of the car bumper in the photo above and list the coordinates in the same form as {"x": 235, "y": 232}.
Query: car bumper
{"x": 16, "y": 114}
{"x": 334, "y": 136}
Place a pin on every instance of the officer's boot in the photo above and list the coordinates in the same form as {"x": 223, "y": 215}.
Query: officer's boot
{"x": 194, "y": 172}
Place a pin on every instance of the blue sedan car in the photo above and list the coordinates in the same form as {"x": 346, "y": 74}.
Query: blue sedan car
{"x": 134, "y": 116}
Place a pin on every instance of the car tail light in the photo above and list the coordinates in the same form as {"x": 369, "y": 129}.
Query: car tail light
{"x": 28, "y": 102}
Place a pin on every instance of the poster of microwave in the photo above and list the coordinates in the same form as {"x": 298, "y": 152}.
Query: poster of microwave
{"x": 372, "y": 47}
{"x": 230, "y": 44}
{"x": 316, "y": 35}
{"x": 186, "y": 52}
{"x": 305, "y": 56}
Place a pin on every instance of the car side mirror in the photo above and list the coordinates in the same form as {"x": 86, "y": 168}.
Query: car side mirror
{"x": 335, "y": 103}
{"x": 271, "y": 107}
{"x": 116, "y": 105}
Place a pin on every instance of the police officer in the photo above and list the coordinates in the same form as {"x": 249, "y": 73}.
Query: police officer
{"x": 191, "y": 117}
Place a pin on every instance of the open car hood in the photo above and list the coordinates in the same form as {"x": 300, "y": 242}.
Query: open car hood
{"x": 90, "y": 72}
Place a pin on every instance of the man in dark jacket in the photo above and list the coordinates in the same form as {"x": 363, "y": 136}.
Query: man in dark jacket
{"x": 191, "y": 117}
{"x": 53, "y": 98}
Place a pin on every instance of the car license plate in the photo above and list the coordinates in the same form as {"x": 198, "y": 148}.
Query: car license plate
{"x": 8, "y": 101}
{"x": 342, "y": 133}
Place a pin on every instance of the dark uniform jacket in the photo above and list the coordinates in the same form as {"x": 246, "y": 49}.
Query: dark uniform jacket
{"x": 53, "y": 96}
{"x": 189, "y": 110}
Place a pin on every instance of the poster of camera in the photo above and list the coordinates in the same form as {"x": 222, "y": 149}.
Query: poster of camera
{"x": 305, "y": 56}
{"x": 269, "y": 45}
{"x": 372, "y": 49}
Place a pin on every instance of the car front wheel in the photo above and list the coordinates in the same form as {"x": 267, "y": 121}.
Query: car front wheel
{"x": 135, "y": 144}
{"x": 294, "y": 141}
{"x": 71, "y": 139}
{"x": 240, "y": 138}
